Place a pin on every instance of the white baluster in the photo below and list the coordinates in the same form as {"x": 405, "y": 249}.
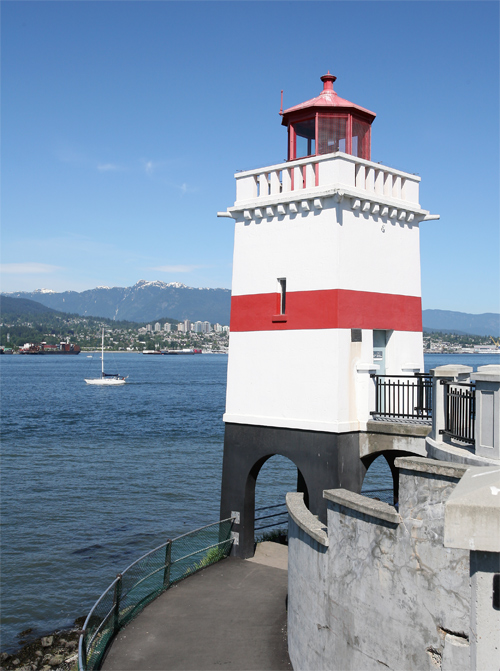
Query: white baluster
{"x": 274, "y": 182}
{"x": 360, "y": 176}
{"x": 370, "y": 179}
{"x": 287, "y": 180}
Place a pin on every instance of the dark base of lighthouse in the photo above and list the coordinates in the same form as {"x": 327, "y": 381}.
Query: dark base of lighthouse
{"x": 324, "y": 461}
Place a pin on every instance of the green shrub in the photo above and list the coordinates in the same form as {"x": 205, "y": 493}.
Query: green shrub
{"x": 274, "y": 536}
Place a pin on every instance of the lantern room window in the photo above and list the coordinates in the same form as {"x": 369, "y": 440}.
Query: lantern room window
{"x": 360, "y": 139}
{"x": 305, "y": 138}
{"x": 332, "y": 134}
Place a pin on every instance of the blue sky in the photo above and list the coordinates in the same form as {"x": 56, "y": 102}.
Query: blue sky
{"x": 123, "y": 124}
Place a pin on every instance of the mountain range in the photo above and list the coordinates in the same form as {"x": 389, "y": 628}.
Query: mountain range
{"x": 486, "y": 324}
{"x": 150, "y": 301}
{"x": 143, "y": 302}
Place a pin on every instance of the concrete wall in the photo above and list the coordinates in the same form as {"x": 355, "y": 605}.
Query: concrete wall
{"x": 308, "y": 601}
{"x": 385, "y": 593}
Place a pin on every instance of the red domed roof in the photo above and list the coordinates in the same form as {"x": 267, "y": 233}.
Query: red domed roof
{"x": 327, "y": 99}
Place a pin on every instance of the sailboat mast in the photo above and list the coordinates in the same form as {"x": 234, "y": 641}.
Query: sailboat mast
{"x": 102, "y": 354}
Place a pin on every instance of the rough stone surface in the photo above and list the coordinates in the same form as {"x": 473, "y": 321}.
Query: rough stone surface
{"x": 305, "y": 519}
{"x": 369, "y": 507}
{"x": 308, "y": 604}
{"x": 382, "y": 595}
{"x": 432, "y": 467}
{"x": 456, "y": 653}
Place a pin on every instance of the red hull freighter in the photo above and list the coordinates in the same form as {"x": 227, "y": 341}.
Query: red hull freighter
{"x": 43, "y": 348}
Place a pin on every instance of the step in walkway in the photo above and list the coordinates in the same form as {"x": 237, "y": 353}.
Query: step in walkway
{"x": 230, "y": 616}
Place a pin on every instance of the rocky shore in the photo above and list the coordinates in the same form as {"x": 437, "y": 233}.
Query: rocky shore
{"x": 56, "y": 652}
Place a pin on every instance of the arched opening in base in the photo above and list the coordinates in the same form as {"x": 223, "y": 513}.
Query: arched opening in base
{"x": 378, "y": 482}
{"x": 277, "y": 476}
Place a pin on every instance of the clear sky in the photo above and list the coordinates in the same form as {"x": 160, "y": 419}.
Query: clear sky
{"x": 123, "y": 124}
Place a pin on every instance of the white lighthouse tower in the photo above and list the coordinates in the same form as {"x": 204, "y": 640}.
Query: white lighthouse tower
{"x": 326, "y": 290}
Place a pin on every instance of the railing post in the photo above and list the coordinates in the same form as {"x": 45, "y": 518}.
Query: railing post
{"x": 116, "y": 603}
{"x": 420, "y": 396}
{"x": 82, "y": 652}
{"x": 488, "y": 411}
{"x": 168, "y": 561}
{"x": 450, "y": 373}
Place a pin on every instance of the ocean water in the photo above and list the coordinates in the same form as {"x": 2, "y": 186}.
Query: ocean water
{"x": 94, "y": 477}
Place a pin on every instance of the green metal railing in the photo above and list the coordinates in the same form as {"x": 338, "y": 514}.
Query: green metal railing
{"x": 144, "y": 580}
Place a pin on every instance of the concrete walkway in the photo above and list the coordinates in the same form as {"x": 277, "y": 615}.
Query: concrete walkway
{"x": 231, "y": 615}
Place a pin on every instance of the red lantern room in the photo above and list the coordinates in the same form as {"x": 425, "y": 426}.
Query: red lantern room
{"x": 327, "y": 124}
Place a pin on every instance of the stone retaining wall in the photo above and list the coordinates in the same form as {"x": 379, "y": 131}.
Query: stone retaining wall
{"x": 381, "y": 590}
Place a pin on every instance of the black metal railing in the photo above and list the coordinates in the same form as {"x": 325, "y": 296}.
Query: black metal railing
{"x": 403, "y": 396}
{"x": 282, "y": 517}
{"x": 460, "y": 414}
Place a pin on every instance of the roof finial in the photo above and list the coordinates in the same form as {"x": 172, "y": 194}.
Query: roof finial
{"x": 328, "y": 80}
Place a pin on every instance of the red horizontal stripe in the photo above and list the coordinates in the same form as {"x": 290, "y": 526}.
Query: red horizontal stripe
{"x": 329, "y": 309}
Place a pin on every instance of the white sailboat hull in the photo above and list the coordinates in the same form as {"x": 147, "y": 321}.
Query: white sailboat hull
{"x": 105, "y": 382}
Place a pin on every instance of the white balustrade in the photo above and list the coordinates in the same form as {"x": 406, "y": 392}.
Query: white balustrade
{"x": 320, "y": 172}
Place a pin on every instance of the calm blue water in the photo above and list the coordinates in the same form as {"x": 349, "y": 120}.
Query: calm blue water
{"x": 94, "y": 477}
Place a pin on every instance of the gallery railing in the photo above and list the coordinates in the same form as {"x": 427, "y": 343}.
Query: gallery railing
{"x": 144, "y": 580}
{"x": 403, "y": 396}
{"x": 460, "y": 415}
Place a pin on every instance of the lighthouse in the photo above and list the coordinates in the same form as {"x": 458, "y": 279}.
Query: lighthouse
{"x": 325, "y": 292}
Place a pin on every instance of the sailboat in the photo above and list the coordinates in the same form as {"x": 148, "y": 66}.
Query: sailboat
{"x": 108, "y": 379}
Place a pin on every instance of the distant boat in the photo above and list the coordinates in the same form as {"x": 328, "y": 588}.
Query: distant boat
{"x": 43, "y": 348}
{"x": 107, "y": 379}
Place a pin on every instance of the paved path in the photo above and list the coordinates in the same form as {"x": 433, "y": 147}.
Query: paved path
{"x": 230, "y": 616}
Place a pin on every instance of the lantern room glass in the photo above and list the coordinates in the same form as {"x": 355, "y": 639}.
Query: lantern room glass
{"x": 332, "y": 132}
{"x": 360, "y": 139}
{"x": 329, "y": 133}
{"x": 305, "y": 138}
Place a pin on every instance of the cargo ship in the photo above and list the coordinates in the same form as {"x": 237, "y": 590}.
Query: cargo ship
{"x": 43, "y": 348}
